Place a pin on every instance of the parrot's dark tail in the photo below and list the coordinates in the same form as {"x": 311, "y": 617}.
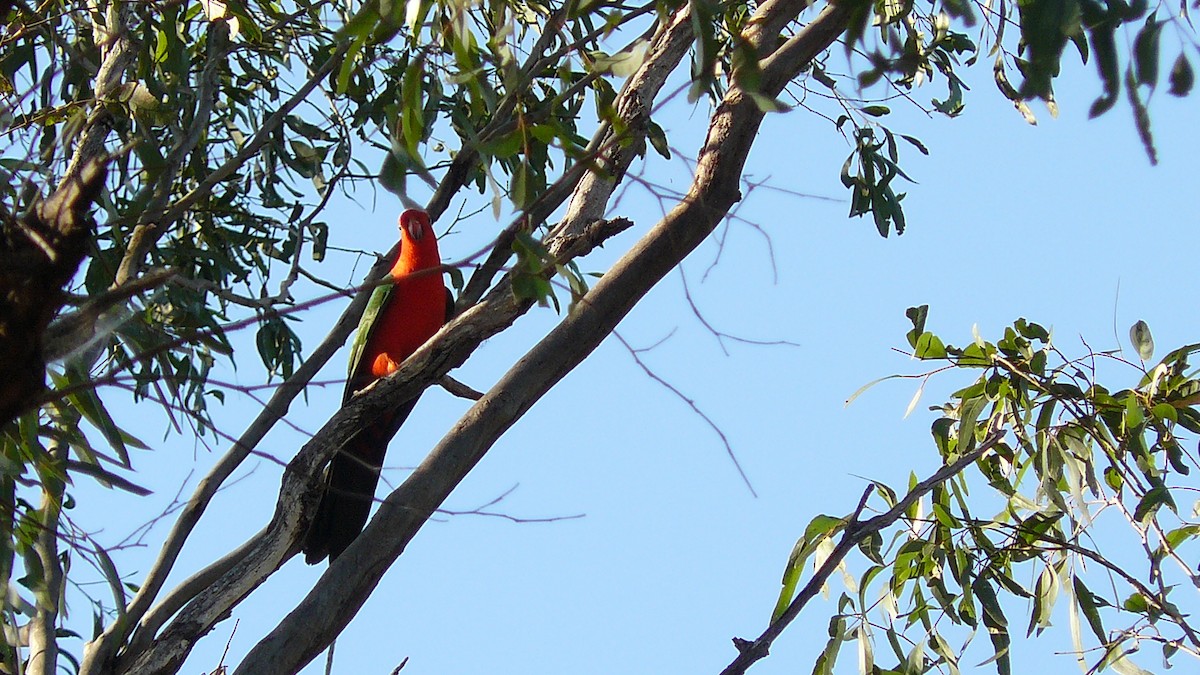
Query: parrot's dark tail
{"x": 350, "y": 482}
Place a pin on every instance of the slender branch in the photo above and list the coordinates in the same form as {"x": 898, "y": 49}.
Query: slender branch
{"x": 43, "y": 640}
{"x": 854, "y": 532}
{"x": 150, "y": 228}
{"x": 251, "y": 149}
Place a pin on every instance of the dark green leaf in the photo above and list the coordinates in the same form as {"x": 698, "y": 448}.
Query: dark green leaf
{"x": 996, "y": 623}
{"x": 1145, "y": 52}
{"x": 1104, "y": 45}
{"x": 1090, "y": 607}
{"x": 1154, "y": 499}
{"x": 1141, "y": 117}
{"x": 871, "y": 546}
{"x": 1182, "y": 78}
{"x": 658, "y": 140}
{"x": 917, "y": 316}
{"x": 917, "y": 143}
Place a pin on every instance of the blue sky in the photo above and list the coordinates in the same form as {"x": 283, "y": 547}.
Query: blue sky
{"x": 673, "y": 556}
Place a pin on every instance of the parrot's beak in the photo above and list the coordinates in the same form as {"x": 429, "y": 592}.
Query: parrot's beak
{"x": 414, "y": 225}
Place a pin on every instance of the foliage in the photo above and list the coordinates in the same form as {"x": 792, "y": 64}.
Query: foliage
{"x": 1089, "y": 490}
{"x": 228, "y": 127}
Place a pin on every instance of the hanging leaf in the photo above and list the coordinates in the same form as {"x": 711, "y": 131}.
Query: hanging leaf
{"x": 1143, "y": 343}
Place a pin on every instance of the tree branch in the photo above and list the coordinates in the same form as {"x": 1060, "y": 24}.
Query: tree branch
{"x": 43, "y": 640}
{"x": 225, "y": 583}
{"x": 854, "y": 532}
{"x": 150, "y": 227}
{"x": 320, "y": 616}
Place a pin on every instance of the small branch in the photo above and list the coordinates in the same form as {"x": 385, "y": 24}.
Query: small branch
{"x": 150, "y": 227}
{"x": 43, "y": 640}
{"x": 855, "y": 531}
{"x": 695, "y": 409}
{"x": 459, "y": 389}
{"x": 68, "y": 333}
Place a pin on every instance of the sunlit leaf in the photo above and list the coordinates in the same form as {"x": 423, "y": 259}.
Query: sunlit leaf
{"x": 1143, "y": 343}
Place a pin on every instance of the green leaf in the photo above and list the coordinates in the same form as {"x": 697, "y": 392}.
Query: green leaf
{"x": 871, "y": 545}
{"x": 1136, "y": 603}
{"x": 1143, "y": 342}
{"x": 1154, "y": 499}
{"x": 1104, "y": 45}
{"x": 320, "y": 240}
{"x": 1133, "y": 413}
{"x": 518, "y": 190}
{"x": 1113, "y": 478}
{"x": 819, "y": 74}
{"x": 1044, "y": 597}
{"x": 997, "y": 625}
{"x": 1182, "y": 78}
{"x": 1090, "y": 604}
{"x": 108, "y": 478}
{"x": 929, "y": 346}
{"x": 876, "y": 110}
{"x": 350, "y": 60}
{"x": 916, "y": 143}
{"x": 1181, "y": 534}
{"x": 88, "y": 403}
{"x": 944, "y": 650}
{"x": 658, "y": 139}
{"x": 412, "y": 114}
{"x": 828, "y": 657}
{"x": 533, "y": 287}
{"x": 917, "y": 316}
{"x": 818, "y": 530}
{"x": 1145, "y": 52}
{"x": 1141, "y": 117}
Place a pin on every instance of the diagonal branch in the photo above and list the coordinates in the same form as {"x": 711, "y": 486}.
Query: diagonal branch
{"x": 855, "y": 532}
{"x": 225, "y": 583}
{"x": 320, "y": 616}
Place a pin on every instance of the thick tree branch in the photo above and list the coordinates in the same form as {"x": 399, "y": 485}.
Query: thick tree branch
{"x": 40, "y": 253}
{"x": 667, "y": 48}
{"x": 352, "y": 577}
{"x": 227, "y": 582}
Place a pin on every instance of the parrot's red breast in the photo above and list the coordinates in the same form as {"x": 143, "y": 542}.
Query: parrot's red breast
{"x": 417, "y": 306}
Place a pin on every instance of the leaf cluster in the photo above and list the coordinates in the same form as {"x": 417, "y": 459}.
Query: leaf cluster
{"x": 1073, "y": 458}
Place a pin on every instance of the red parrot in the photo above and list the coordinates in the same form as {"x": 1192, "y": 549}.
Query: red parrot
{"x": 399, "y": 318}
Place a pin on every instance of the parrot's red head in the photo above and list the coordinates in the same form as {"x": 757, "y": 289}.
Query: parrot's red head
{"x": 414, "y": 224}
{"x": 418, "y": 244}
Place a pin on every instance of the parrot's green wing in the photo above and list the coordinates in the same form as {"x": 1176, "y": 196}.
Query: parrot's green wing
{"x": 366, "y": 326}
